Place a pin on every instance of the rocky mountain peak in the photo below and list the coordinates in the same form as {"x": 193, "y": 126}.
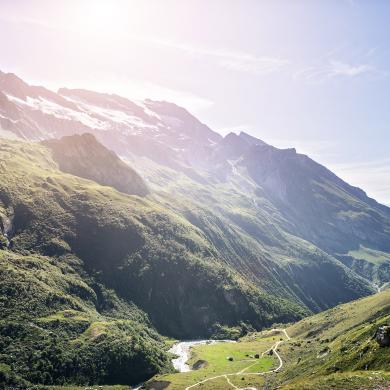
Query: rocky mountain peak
{"x": 250, "y": 139}
{"x": 12, "y": 84}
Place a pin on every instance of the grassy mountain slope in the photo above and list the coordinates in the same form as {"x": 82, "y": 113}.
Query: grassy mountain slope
{"x": 252, "y": 235}
{"x": 131, "y": 244}
{"x": 59, "y": 326}
{"x": 369, "y": 263}
{"x": 336, "y": 348}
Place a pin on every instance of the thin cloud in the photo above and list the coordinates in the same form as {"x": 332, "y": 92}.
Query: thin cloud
{"x": 233, "y": 60}
{"x": 251, "y": 64}
{"x": 335, "y": 69}
{"x": 342, "y": 69}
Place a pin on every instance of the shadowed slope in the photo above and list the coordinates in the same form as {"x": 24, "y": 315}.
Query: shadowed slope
{"x": 84, "y": 156}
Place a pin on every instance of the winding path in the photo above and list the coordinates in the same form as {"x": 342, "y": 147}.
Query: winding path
{"x": 226, "y": 376}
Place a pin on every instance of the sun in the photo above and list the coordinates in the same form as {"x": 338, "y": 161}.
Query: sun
{"x": 99, "y": 16}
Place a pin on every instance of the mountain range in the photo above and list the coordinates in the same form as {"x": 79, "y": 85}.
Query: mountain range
{"x": 121, "y": 218}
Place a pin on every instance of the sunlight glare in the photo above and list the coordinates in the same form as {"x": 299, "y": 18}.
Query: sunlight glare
{"x": 99, "y": 17}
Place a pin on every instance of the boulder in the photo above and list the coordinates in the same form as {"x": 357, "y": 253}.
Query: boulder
{"x": 382, "y": 336}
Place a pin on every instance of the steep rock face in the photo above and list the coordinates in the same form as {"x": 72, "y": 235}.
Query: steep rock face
{"x": 84, "y": 156}
{"x": 179, "y": 120}
{"x": 231, "y": 147}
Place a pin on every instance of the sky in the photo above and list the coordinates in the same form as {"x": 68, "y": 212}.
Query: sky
{"x": 310, "y": 74}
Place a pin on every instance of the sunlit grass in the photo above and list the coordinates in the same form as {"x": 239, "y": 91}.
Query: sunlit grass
{"x": 216, "y": 357}
{"x": 370, "y": 255}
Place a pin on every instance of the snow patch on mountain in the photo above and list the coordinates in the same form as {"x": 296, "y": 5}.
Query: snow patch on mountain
{"x": 50, "y": 108}
{"x": 116, "y": 116}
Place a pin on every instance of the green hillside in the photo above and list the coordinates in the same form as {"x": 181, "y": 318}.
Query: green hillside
{"x": 78, "y": 257}
{"x": 337, "y": 348}
{"x": 59, "y": 326}
{"x": 370, "y": 263}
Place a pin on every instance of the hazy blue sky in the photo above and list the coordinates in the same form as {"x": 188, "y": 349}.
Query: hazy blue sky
{"x": 310, "y": 74}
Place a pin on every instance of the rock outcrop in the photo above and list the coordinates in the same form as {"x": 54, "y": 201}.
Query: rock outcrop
{"x": 382, "y": 336}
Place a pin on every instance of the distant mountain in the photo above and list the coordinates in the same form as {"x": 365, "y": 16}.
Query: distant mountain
{"x": 321, "y": 207}
{"x": 82, "y": 155}
{"x": 159, "y": 130}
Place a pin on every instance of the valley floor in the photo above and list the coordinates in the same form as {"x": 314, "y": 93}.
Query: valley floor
{"x": 229, "y": 365}
{"x": 335, "y": 349}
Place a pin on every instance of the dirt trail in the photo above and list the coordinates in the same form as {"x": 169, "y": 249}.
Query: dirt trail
{"x": 226, "y": 376}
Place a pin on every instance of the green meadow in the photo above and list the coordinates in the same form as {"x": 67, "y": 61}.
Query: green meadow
{"x": 236, "y": 360}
